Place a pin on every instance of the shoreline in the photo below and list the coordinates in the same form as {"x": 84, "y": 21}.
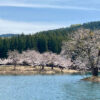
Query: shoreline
{"x": 29, "y": 70}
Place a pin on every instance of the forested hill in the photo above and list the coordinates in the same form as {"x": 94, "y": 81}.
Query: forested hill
{"x": 42, "y": 41}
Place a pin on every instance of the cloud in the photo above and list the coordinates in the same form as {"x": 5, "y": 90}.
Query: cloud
{"x": 7, "y": 26}
{"x": 48, "y": 6}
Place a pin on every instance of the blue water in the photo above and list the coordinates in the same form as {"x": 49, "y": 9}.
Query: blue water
{"x": 48, "y": 87}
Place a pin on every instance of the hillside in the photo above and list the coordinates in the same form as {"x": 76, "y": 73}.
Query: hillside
{"x": 43, "y": 41}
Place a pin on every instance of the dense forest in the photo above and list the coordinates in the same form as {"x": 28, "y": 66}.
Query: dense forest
{"x": 42, "y": 41}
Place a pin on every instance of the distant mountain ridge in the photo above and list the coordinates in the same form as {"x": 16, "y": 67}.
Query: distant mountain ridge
{"x": 89, "y": 25}
{"x": 8, "y": 35}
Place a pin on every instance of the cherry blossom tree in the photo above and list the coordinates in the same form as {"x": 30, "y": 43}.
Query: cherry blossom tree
{"x": 14, "y": 56}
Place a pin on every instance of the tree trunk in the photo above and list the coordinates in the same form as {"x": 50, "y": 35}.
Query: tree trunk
{"x": 14, "y": 67}
{"x": 42, "y": 67}
{"x": 52, "y": 67}
{"x": 95, "y": 71}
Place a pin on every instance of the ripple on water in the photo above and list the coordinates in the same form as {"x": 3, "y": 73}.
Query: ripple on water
{"x": 48, "y": 87}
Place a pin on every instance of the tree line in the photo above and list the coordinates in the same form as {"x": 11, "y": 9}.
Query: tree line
{"x": 39, "y": 42}
{"x": 43, "y": 41}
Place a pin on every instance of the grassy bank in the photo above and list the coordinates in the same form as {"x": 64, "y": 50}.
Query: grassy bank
{"x": 29, "y": 70}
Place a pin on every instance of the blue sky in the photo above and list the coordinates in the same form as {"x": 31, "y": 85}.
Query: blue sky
{"x": 30, "y": 16}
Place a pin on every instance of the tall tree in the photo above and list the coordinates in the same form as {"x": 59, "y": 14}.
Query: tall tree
{"x": 86, "y": 49}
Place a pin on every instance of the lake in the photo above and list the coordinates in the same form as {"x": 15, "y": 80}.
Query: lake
{"x": 48, "y": 87}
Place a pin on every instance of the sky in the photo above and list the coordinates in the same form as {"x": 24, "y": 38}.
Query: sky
{"x": 31, "y": 16}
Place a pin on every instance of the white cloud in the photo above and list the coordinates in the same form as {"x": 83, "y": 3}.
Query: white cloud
{"x": 48, "y": 6}
{"x": 19, "y": 27}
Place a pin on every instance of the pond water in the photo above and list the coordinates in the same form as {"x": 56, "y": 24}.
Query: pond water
{"x": 48, "y": 87}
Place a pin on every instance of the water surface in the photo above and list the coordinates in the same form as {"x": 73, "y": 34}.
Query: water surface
{"x": 48, "y": 87}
